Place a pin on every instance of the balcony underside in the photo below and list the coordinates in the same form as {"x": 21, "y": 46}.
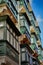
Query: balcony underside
{"x": 35, "y": 54}
{"x": 24, "y": 40}
{"x": 22, "y": 10}
{"x": 4, "y": 10}
{"x": 4, "y": 60}
{"x": 32, "y": 30}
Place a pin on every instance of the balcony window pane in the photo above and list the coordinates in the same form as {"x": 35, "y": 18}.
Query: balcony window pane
{"x": 1, "y": 33}
{"x": 18, "y": 46}
{"x": 8, "y": 35}
{"x": 31, "y": 40}
{"x": 31, "y": 61}
{"x": 23, "y": 49}
{"x": 23, "y": 56}
{"x": 27, "y": 26}
{"x": 1, "y": 23}
{"x": 22, "y": 22}
{"x": 15, "y": 44}
{"x": 11, "y": 39}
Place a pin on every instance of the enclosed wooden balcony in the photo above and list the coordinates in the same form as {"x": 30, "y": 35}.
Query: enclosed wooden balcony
{"x": 24, "y": 40}
{"x": 4, "y": 10}
{"x": 38, "y": 42}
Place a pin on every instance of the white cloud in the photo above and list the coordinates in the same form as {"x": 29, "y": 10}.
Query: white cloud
{"x": 39, "y": 19}
{"x": 31, "y": 1}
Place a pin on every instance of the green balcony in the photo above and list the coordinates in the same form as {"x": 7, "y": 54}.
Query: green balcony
{"x": 25, "y": 57}
{"x": 8, "y": 32}
{"x": 7, "y": 50}
{"x": 24, "y": 26}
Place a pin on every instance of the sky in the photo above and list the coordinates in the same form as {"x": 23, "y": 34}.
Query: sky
{"x": 37, "y": 7}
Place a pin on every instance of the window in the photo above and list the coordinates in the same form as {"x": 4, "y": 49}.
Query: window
{"x": 32, "y": 22}
{"x": 31, "y": 40}
{"x": 1, "y": 33}
{"x": 27, "y": 26}
{"x": 39, "y": 51}
{"x": 1, "y": 24}
{"x": 23, "y": 56}
{"x": 25, "y": 4}
{"x": 22, "y": 22}
{"x": 15, "y": 44}
{"x": 18, "y": 46}
{"x": 23, "y": 49}
{"x": 13, "y": 6}
{"x": 8, "y": 35}
{"x": 27, "y": 56}
{"x": 31, "y": 61}
{"x": 11, "y": 39}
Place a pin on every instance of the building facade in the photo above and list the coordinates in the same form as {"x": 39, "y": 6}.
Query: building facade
{"x": 20, "y": 42}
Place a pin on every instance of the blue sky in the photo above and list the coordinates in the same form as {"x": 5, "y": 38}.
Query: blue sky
{"x": 37, "y": 6}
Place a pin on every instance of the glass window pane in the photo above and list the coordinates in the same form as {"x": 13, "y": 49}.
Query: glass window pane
{"x": 23, "y": 56}
{"x": 11, "y": 39}
{"x": 8, "y": 35}
{"x": 23, "y": 49}
{"x": 1, "y": 24}
{"x": 1, "y": 33}
{"x": 31, "y": 40}
{"x": 14, "y": 42}
{"x": 18, "y": 46}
